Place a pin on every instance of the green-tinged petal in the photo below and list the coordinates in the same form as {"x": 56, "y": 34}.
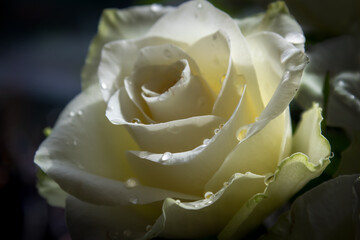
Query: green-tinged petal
{"x": 276, "y": 19}
{"x": 292, "y": 174}
{"x": 96, "y": 222}
{"x": 328, "y": 211}
{"x": 206, "y": 217}
{"x": 308, "y": 138}
{"x": 308, "y": 162}
{"x": 50, "y": 190}
{"x": 117, "y": 24}
{"x": 350, "y": 158}
{"x": 85, "y": 155}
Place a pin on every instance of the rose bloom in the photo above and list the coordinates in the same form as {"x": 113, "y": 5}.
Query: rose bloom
{"x": 182, "y": 129}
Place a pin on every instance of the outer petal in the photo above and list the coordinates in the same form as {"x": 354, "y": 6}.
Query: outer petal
{"x": 50, "y": 190}
{"x": 259, "y": 154}
{"x": 117, "y": 24}
{"x": 95, "y": 222}
{"x": 206, "y": 217}
{"x": 276, "y": 19}
{"x": 85, "y": 155}
{"x": 278, "y": 82}
{"x": 292, "y": 174}
{"x": 328, "y": 211}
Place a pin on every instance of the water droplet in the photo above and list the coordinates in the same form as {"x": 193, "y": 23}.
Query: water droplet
{"x": 226, "y": 184}
{"x": 136, "y": 121}
{"x": 103, "y": 85}
{"x": 131, "y": 183}
{"x": 241, "y": 134}
{"x": 148, "y": 228}
{"x": 221, "y": 80}
{"x": 75, "y": 143}
{"x": 221, "y": 125}
{"x": 206, "y": 141}
{"x": 208, "y": 195}
{"x": 199, "y": 5}
{"x": 178, "y": 201}
{"x": 71, "y": 114}
{"x": 155, "y": 7}
{"x": 214, "y": 37}
{"x": 295, "y": 37}
{"x": 331, "y": 155}
{"x": 127, "y": 233}
{"x": 217, "y": 130}
{"x": 133, "y": 200}
{"x": 113, "y": 235}
{"x": 166, "y": 156}
{"x": 79, "y": 113}
{"x": 167, "y": 53}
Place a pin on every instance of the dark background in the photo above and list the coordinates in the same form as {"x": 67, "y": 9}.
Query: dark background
{"x": 43, "y": 46}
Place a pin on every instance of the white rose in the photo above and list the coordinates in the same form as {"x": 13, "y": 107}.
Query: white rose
{"x": 185, "y": 132}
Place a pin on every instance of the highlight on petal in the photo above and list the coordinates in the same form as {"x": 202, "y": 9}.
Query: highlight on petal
{"x": 276, "y": 19}
{"x": 310, "y": 158}
{"x": 328, "y": 211}
{"x": 206, "y": 217}
{"x": 118, "y": 24}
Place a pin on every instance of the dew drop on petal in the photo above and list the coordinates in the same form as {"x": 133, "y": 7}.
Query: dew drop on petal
{"x": 136, "y": 121}
{"x": 331, "y": 155}
{"x": 206, "y": 141}
{"x": 199, "y": 5}
{"x": 103, "y": 85}
{"x": 155, "y": 7}
{"x": 178, "y": 201}
{"x": 217, "y": 130}
{"x": 208, "y": 195}
{"x": 131, "y": 183}
{"x": 79, "y": 113}
{"x": 167, "y": 53}
{"x": 241, "y": 134}
{"x": 75, "y": 143}
{"x": 148, "y": 228}
{"x": 71, "y": 114}
{"x": 166, "y": 156}
{"x": 226, "y": 184}
{"x": 133, "y": 200}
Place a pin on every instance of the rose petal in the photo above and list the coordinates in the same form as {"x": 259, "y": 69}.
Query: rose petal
{"x": 279, "y": 67}
{"x": 205, "y": 217}
{"x": 324, "y": 212}
{"x": 292, "y": 174}
{"x": 276, "y": 19}
{"x": 214, "y": 64}
{"x": 174, "y": 136}
{"x": 50, "y": 190}
{"x": 117, "y": 24}
{"x": 91, "y": 165}
{"x": 259, "y": 154}
{"x": 195, "y": 20}
{"x": 185, "y": 171}
{"x": 118, "y": 61}
{"x": 97, "y": 222}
